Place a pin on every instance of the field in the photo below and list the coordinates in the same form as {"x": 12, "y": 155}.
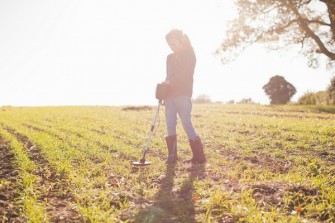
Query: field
{"x": 73, "y": 164}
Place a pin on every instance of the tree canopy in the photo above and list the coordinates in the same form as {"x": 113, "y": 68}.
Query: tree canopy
{"x": 283, "y": 23}
{"x": 279, "y": 90}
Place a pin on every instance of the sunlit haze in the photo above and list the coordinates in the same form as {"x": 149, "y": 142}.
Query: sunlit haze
{"x": 114, "y": 53}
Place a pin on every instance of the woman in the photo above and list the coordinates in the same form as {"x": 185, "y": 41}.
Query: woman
{"x": 179, "y": 79}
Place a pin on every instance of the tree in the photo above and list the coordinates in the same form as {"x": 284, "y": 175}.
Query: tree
{"x": 283, "y": 23}
{"x": 279, "y": 90}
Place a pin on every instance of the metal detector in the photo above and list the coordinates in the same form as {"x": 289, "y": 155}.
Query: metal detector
{"x": 142, "y": 161}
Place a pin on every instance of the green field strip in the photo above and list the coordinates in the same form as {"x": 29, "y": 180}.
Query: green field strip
{"x": 94, "y": 145}
{"x": 111, "y": 139}
{"x": 239, "y": 136}
{"x": 70, "y": 164}
{"x": 115, "y": 143}
{"x": 52, "y": 185}
{"x": 110, "y": 120}
{"x": 72, "y": 135}
{"x": 127, "y": 128}
{"x": 86, "y": 176}
{"x": 247, "y": 156}
{"x": 123, "y": 172}
{"x": 33, "y": 211}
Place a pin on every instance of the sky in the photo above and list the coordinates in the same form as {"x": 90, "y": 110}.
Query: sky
{"x": 102, "y": 52}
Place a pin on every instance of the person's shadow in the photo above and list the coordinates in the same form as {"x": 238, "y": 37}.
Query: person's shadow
{"x": 173, "y": 206}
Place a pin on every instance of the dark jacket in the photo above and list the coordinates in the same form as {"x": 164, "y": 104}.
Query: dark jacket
{"x": 179, "y": 72}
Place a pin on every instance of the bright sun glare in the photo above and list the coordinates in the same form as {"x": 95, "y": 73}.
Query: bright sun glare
{"x": 113, "y": 53}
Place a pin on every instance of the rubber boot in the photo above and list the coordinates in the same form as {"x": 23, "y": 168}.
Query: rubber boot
{"x": 193, "y": 144}
{"x": 171, "y": 142}
{"x": 197, "y": 151}
{"x": 194, "y": 154}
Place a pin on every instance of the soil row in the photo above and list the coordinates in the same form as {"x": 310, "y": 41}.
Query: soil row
{"x": 52, "y": 187}
{"x": 9, "y": 186}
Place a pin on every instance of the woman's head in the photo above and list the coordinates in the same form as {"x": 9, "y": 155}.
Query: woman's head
{"x": 177, "y": 40}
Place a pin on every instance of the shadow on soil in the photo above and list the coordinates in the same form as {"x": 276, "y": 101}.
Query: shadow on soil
{"x": 173, "y": 206}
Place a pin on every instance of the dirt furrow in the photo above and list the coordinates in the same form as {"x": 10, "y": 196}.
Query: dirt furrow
{"x": 9, "y": 186}
{"x": 53, "y": 187}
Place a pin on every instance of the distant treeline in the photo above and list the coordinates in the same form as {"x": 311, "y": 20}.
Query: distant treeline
{"x": 326, "y": 97}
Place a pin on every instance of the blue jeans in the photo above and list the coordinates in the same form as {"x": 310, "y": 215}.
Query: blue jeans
{"x": 181, "y": 105}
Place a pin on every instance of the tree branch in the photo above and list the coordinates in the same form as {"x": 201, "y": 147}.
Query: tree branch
{"x": 317, "y": 22}
{"x": 310, "y": 33}
{"x": 282, "y": 28}
{"x": 331, "y": 11}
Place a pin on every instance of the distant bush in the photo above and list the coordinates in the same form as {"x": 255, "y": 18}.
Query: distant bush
{"x": 331, "y": 92}
{"x": 230, "y": 102}
{"x": 246, "y": 101}
{"x": 314, "y": 98}
{"x": 326, "y": 97}
{"x": 202, "y": 99}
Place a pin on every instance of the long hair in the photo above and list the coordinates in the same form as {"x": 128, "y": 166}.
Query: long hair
{"x": 180, "y": 36}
